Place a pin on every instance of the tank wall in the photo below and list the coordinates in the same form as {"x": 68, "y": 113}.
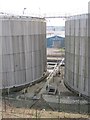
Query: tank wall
{"x": 76, "y": 47}
{"x": 23, "y": 55}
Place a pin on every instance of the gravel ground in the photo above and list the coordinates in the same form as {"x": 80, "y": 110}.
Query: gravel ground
{"x": 54, "y": 52}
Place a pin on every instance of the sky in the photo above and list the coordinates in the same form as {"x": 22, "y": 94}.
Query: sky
{"x": 45, "y": 8}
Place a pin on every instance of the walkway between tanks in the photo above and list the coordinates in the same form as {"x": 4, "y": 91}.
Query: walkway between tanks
{"x": 67, "y": 100}
{"x": 66, "y": 96}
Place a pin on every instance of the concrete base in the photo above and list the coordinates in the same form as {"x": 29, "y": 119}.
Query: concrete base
{"x": 76, "y": 92}
{"x": 18, "y": 88}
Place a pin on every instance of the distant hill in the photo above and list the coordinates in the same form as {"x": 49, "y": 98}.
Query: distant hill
{"x": 56, "y": 28}
{"x": 55, "y": 42}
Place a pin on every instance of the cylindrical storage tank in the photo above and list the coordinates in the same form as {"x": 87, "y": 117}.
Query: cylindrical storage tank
{"x": 76, "y": 56}
{"x": 88, "y": 59}
{"x": 23, "y": 50}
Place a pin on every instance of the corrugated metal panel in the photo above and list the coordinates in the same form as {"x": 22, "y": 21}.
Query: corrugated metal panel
{"x": 29, "y": 75}
{"x": 67, "y": 31}
{"x": 1, "y": 83}
{"x": 83, "y": 27}
{"x": 22, "y": 61}
{"x": 4, "y": 50}
{"x": 77, "y": 29}
{"x": 4, "y": 79}
{"x": 1, "y": 69}
{"x": 72, "y": 28}
{"x": 0, "y": 27}
{"x": 28, "y": 60}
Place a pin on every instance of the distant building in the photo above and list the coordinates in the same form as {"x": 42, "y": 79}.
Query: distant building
{"x": 55, "y": 42}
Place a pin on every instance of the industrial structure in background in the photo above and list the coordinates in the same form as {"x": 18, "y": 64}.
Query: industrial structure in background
{"x": 55, "y": 36}
{"x": 22, "y": 50}
{"x": 77, "y": 57}
{"x": 56, "y": 42}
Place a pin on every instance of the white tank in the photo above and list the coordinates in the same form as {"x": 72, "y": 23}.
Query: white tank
{"x": 77, "y": 55}
{"x": 22, "y": 50}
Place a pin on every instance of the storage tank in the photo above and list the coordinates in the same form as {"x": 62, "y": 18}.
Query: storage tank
{"x": 77, "y": 54}
{"x": 89, "y": 48}
{"x": 22, "y": 50}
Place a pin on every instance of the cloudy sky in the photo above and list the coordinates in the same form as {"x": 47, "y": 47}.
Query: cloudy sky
{"x": 44, "y": 7}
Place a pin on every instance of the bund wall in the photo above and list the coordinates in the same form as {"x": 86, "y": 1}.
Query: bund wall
{"x": 22, "y": 50}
